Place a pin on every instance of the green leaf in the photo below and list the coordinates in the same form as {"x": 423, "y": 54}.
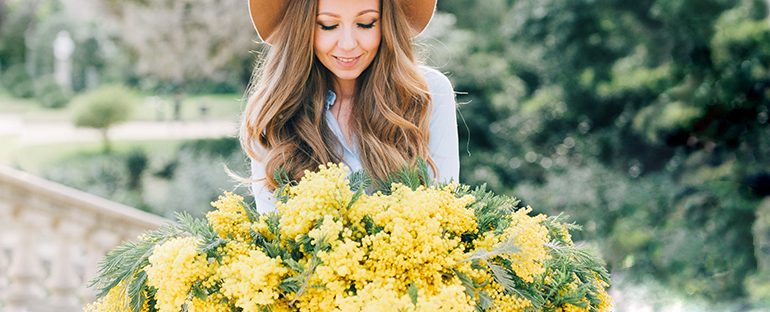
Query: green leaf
{"x": 502, "y": 276}
{"x": 413, "y": 292}
{"x": 359, "y": 182}
{"x": 195, "y": 226}
{"x": 292, "y": 284}
{"x": 410, "y": 176}
{"x": 492, "y": 211}
{"x": 485, "y": 302}
{"x": 198, "y": 291}
{"x": 124, "y": 263}
{"x": 370, "y": 227}
{"x": 251, "y": 212}
{"x": 470, "y": 287}
{"x": 137, "y": 287}
{"x": 294, "y": 265}
{"x": 504, "y": 248}
{"x": 284, "y": 181}
{"x": 314, "y": 263}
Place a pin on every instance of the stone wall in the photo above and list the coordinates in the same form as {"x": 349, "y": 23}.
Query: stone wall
{"x": 52, "y": 238}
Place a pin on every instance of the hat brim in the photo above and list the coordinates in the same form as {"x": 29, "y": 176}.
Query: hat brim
{"x": 267, "y": 14}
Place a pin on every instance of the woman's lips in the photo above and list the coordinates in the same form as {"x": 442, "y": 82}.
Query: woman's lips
{"x": 347, "y": 61}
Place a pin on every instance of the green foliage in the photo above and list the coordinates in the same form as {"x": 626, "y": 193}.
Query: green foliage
{"x": 411, "y": 176}
{"x": 704, "y": 214}
{"x": 652, "y": 226}
{"x": 16, "y": 19}
{"x": 488, "y": 207}
{"x": 89, "y": 60}
{"x": 27, "y": 33}
{"x": 221, "y": 147}
{"x": 17, "y": 81}
{"x": 105, "y": 175}
{"x": 621, "y": 114}
{"x": 759, "y": 289}
{"x": 197, "y": 180}
{"x": 656, "y": 121}
{"x": 184, "y": 181}
{"x": 50, "y": 21}
{"x": 104, "y": 107}
{"x": 572, "y": 274}
{"x": 604, "y": 70}
{"x": 127, "y": 262}
{"x": 50, "y": 94}
{"x": 136, "y": 163}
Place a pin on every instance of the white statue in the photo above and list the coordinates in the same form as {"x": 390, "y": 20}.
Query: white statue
{"x": 63, "y": 47}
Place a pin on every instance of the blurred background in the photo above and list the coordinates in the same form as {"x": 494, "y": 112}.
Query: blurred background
{"x": 646, "y": 122}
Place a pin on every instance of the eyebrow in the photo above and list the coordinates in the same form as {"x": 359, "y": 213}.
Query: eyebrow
{"x": 359, "y": 13}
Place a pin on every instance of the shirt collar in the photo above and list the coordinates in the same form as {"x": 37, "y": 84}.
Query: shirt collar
{"x": 330, "y": 98}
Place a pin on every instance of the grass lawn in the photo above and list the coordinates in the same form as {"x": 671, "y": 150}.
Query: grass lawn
{"x": 149, "y": 108}
{"x": 30, "y": 109}
{"x": 7, "y": 148}
{"x": 217, "y": 106}
{"x": 35, "y": 159}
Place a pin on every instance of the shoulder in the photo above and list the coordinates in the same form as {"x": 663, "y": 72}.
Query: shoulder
{"x": 438, "y": 83}
{"x": 442, "y": 96}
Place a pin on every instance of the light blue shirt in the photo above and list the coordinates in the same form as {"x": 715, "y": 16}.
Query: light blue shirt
{"x": 442, "y": 145}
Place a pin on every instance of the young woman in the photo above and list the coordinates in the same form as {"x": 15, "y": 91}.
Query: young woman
{"x": 340, "y": 83}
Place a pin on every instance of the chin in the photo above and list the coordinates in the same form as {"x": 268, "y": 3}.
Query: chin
{"x": 347, "y": 75}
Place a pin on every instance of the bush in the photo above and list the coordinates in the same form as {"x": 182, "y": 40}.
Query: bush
{"x": 17, "y": 81}
{"x": 98, "y": 175}
{"x": 136, "y": 163}
{"x": 213, "y": 147}
{"x": 50, "y": 94}
{"x": 104, "y": 107}
{"x": 197, "y": 180}
{"x": 690, "y": 232}
{"x": 15, "y": 21}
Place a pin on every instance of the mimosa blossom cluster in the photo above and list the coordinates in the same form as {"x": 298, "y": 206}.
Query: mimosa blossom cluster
{"x": 330, "y": 248}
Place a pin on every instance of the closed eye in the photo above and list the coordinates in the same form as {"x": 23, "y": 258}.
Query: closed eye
{"x": 366, "y": 26}
{"x": 324, "y": 27}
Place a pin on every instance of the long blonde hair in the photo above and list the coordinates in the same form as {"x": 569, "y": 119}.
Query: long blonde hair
{"x": 283, "y": 124}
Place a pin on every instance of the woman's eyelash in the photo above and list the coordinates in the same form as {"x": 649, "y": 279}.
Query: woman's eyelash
{"x": 331, "y": 27}
{"x": 366, "y": 26}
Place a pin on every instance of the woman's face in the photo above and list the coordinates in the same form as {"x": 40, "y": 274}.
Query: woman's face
{"x": 347, "y": 35}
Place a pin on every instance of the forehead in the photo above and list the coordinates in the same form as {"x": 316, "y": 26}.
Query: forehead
{"x": 347, "y": 7}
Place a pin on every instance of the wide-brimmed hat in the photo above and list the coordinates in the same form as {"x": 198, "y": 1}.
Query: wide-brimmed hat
{"x": 267, "y": 14}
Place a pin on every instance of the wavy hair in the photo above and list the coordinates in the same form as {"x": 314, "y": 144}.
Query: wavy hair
{"x": 283, "y": 124}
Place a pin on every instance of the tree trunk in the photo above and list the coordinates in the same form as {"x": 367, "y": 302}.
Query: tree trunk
{"x": 106, "y": 146}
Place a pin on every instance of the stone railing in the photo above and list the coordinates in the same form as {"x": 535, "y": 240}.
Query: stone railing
{"x": 52, "y": 238}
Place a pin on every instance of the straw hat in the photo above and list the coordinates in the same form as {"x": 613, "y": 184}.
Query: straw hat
{"x": 266, "y": 14}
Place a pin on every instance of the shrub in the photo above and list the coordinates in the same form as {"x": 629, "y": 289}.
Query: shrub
{"x": 213, "y": 147}
{"x": 17, "y": 81}
{"x": 136, "y": 163}
{"x": 102, "y": 108}
{"x": 197, "y": 180}
{"x": 98, "y": 175}
{"x": 50, "y": 94}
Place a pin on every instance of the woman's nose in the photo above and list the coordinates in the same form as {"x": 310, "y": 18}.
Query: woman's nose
{"x": 348, "y": 40}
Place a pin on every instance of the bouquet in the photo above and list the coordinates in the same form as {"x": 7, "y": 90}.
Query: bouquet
{"x": 339, "y": 242}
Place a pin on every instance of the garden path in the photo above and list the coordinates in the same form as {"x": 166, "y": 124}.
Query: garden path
{"x": 51, "y": 132}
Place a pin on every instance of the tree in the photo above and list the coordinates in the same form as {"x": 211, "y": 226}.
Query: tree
{"x": 656, "y": 92}
{"x": 102, "y": 108}
{"x": 18, "y": 19}
{"x": 3, "y": 10}
{"x": 182, "y": 42}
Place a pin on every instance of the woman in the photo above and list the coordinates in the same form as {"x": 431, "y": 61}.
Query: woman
{"x": 340, "y": 84}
